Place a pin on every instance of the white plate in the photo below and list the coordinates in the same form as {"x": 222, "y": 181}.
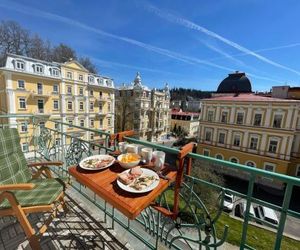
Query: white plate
{"x": 100, "y": 157}
{"x": 146, "y": 172}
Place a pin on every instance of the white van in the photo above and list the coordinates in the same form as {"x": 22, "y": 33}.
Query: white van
{"x": 267, "y": 214}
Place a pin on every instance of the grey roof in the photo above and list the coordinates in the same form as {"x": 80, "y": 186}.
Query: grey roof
{"x": 236, "y": 82}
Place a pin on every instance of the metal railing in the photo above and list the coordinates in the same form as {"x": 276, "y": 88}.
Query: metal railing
{"x": 55, "y": 142}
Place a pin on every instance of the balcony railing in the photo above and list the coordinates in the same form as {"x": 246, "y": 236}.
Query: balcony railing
{"x": 154, "y": 227}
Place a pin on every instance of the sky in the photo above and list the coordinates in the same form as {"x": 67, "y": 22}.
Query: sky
{"x": 189, "y": 44}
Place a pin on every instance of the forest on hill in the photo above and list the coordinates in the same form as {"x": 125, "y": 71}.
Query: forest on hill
{"x": 184, "y": 94}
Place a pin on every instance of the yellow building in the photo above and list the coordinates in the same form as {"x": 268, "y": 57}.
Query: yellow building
{"x": 188, "y": 122}
{"x": 253, "y": 130}
{"x": 64, "y": 92}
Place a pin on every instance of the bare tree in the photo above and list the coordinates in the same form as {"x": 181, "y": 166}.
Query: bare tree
{"x": 88, "y": 64}
{"x": 39, "y": 48}
{"x": 125, "y": 111}
{"x": 62, "y": 53}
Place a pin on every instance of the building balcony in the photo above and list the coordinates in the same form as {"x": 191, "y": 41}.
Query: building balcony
{"x": 101, "y": 99}
{"x": 180, "y": 218}
{"x": 39, "y": 94}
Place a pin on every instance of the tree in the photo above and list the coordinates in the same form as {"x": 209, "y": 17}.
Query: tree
{"x": 62, "y": 53}
{"x": 205, "y": 171}
{"x": 39, "y": 49}
{"x": 125, "y": 111}
{"x": 87, "y": 63}
{"x": 13, "y": 39}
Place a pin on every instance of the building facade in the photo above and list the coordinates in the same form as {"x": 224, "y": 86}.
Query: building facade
{"x": 188, "y": 122}
{"x": 64, "y": 92}
{"x": 253, "y": 130}
{"x": 144, "y": 110}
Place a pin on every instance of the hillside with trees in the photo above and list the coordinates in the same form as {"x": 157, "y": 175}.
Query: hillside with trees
{"x": 183, "y": 94}
{"x": 17, "y": 40}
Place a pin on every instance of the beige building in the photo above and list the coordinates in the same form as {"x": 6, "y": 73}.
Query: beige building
{"x": 64, "y": 92}
{"x": 188, "y": 122}
{"x": 144, "y": 110}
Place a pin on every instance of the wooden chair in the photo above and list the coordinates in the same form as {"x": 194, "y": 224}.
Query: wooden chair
{"x": 22, "y": 193}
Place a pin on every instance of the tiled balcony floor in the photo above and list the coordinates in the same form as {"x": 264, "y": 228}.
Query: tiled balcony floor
{"x": 77, "y": 230}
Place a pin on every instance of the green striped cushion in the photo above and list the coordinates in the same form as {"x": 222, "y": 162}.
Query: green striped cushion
{"x": 44, "y": 193}
{"x": 13, "y": 166}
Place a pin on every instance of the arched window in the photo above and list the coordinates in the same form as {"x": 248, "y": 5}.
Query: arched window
{"x": 234, "y": 160}
{"x": 219, "y": 157}
{"x": 250, "y": 164}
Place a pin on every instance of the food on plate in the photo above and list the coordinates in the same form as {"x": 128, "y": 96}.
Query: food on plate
{"x": 97, "y": 162}
{"x": 136, "y": 172}
{"x": 126, "y": 178}
{"x": 143, "y": 182}
{"x": 130, "y": 157}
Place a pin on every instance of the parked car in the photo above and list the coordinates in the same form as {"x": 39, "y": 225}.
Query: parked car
{"x": 267, "y": 214}
{"x": 240, "y": 210}
{"x": 228, "y": 202}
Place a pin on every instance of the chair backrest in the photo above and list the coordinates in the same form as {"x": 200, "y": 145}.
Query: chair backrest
{"x": 13, "y": 165}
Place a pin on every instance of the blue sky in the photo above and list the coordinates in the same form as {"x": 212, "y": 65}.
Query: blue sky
{"x": 192, "y": 44}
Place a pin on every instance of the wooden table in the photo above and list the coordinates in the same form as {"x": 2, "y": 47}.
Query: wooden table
{"x": 104, "y": 184}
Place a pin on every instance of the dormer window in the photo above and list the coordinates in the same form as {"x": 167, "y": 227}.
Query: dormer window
{"x": 91, "y": 79}
{"x": 108, "y": 82}
{"x": 39, "y": 69}
{"x": 69, "y": 75}
{"x": 54, "y": 72}
{"x": 20, "y": 65}
{"x": 101, "y": 81}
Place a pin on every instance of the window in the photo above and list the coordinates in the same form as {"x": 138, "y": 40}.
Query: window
{"x": 70, "y": 105}
{"x": 82, "y": 123}
{"x": 92, "y": 136}
{"x": 277, "y": 121}
{"x": 270, "y": 167}
{"x": 208, "y": 135}
{"x": 91, "y": 79}
{"x": 22, "y": 103}
{"x": 100, "y": 107}
{"x": 20, "y": 65}
{"x": 210, "y": 115}
{"x": 70, "y": 123}
{"x": 21, "y": 84}
{"x": 257, "y": 119}
{"x": 42, "y": 125}
{"x": 221, "y": 138}
{"x": 69, "y": 90}
{"x": 38, "y": 69}
{"x": 55, "y": 88}
{"x": 219, "y": 157}
{"x": 273, "y": 146}
{"x": 236, "y": 140}
{"x": 56, "y": 126}
{"x": 24, "y": 127}
{"x": 91, "y": 93}
{"x": 206, "y": 152}
{"x": 81, "y": 106}
{"x": 92, "y": 123}
{"x": 54, "y": 72}
{"x": 234, "y": 160}
{"x": 69, "y": 75}
{"x": 253, "y": 143}
{"x": 80, "y": 77}
{"x": 25, "y": 147}
{"x": 57, "y": 141}
{"x": 108, "y": 107}
{"x": 91, "y": 105}
{"x": 40, "y": 104}
{"x": 101, "y": 122}
{"x": 55, "y": 104}
{"x": 240, "y": 118}
{"x": 40, "y": 88}
{"x": 250, "y": 164}
{"x": 224, "y": 117}
{"x": 108, "y": 121}
{"x": 80, "y": 91}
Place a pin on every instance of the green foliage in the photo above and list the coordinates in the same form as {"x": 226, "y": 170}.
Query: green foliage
{"x": 182, "y": 93}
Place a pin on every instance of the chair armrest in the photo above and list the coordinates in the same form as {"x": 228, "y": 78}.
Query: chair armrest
{"x": 46, "y": 163}
{"x": 19, "y": 186}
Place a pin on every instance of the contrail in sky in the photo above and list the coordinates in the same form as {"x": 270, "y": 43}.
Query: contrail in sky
{"x": 54, "y": 17}
{"x": 193, "y": 26}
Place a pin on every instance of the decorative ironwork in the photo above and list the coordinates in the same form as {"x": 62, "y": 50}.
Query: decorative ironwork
{"x": 45, "y": 145}
{"x": 77, "y": 150}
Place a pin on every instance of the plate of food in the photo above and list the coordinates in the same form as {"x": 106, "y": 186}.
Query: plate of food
{"x": 138, "y": 180}
{"x": 97, "y": 162}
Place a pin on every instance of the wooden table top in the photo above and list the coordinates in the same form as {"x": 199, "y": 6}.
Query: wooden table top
{"x": 104, "y": 184}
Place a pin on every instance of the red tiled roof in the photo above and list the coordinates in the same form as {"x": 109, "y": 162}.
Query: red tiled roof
{"x": 248, "y": 98}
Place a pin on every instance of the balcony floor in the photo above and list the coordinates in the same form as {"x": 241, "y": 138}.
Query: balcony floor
{"x": 79, "y": 229}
